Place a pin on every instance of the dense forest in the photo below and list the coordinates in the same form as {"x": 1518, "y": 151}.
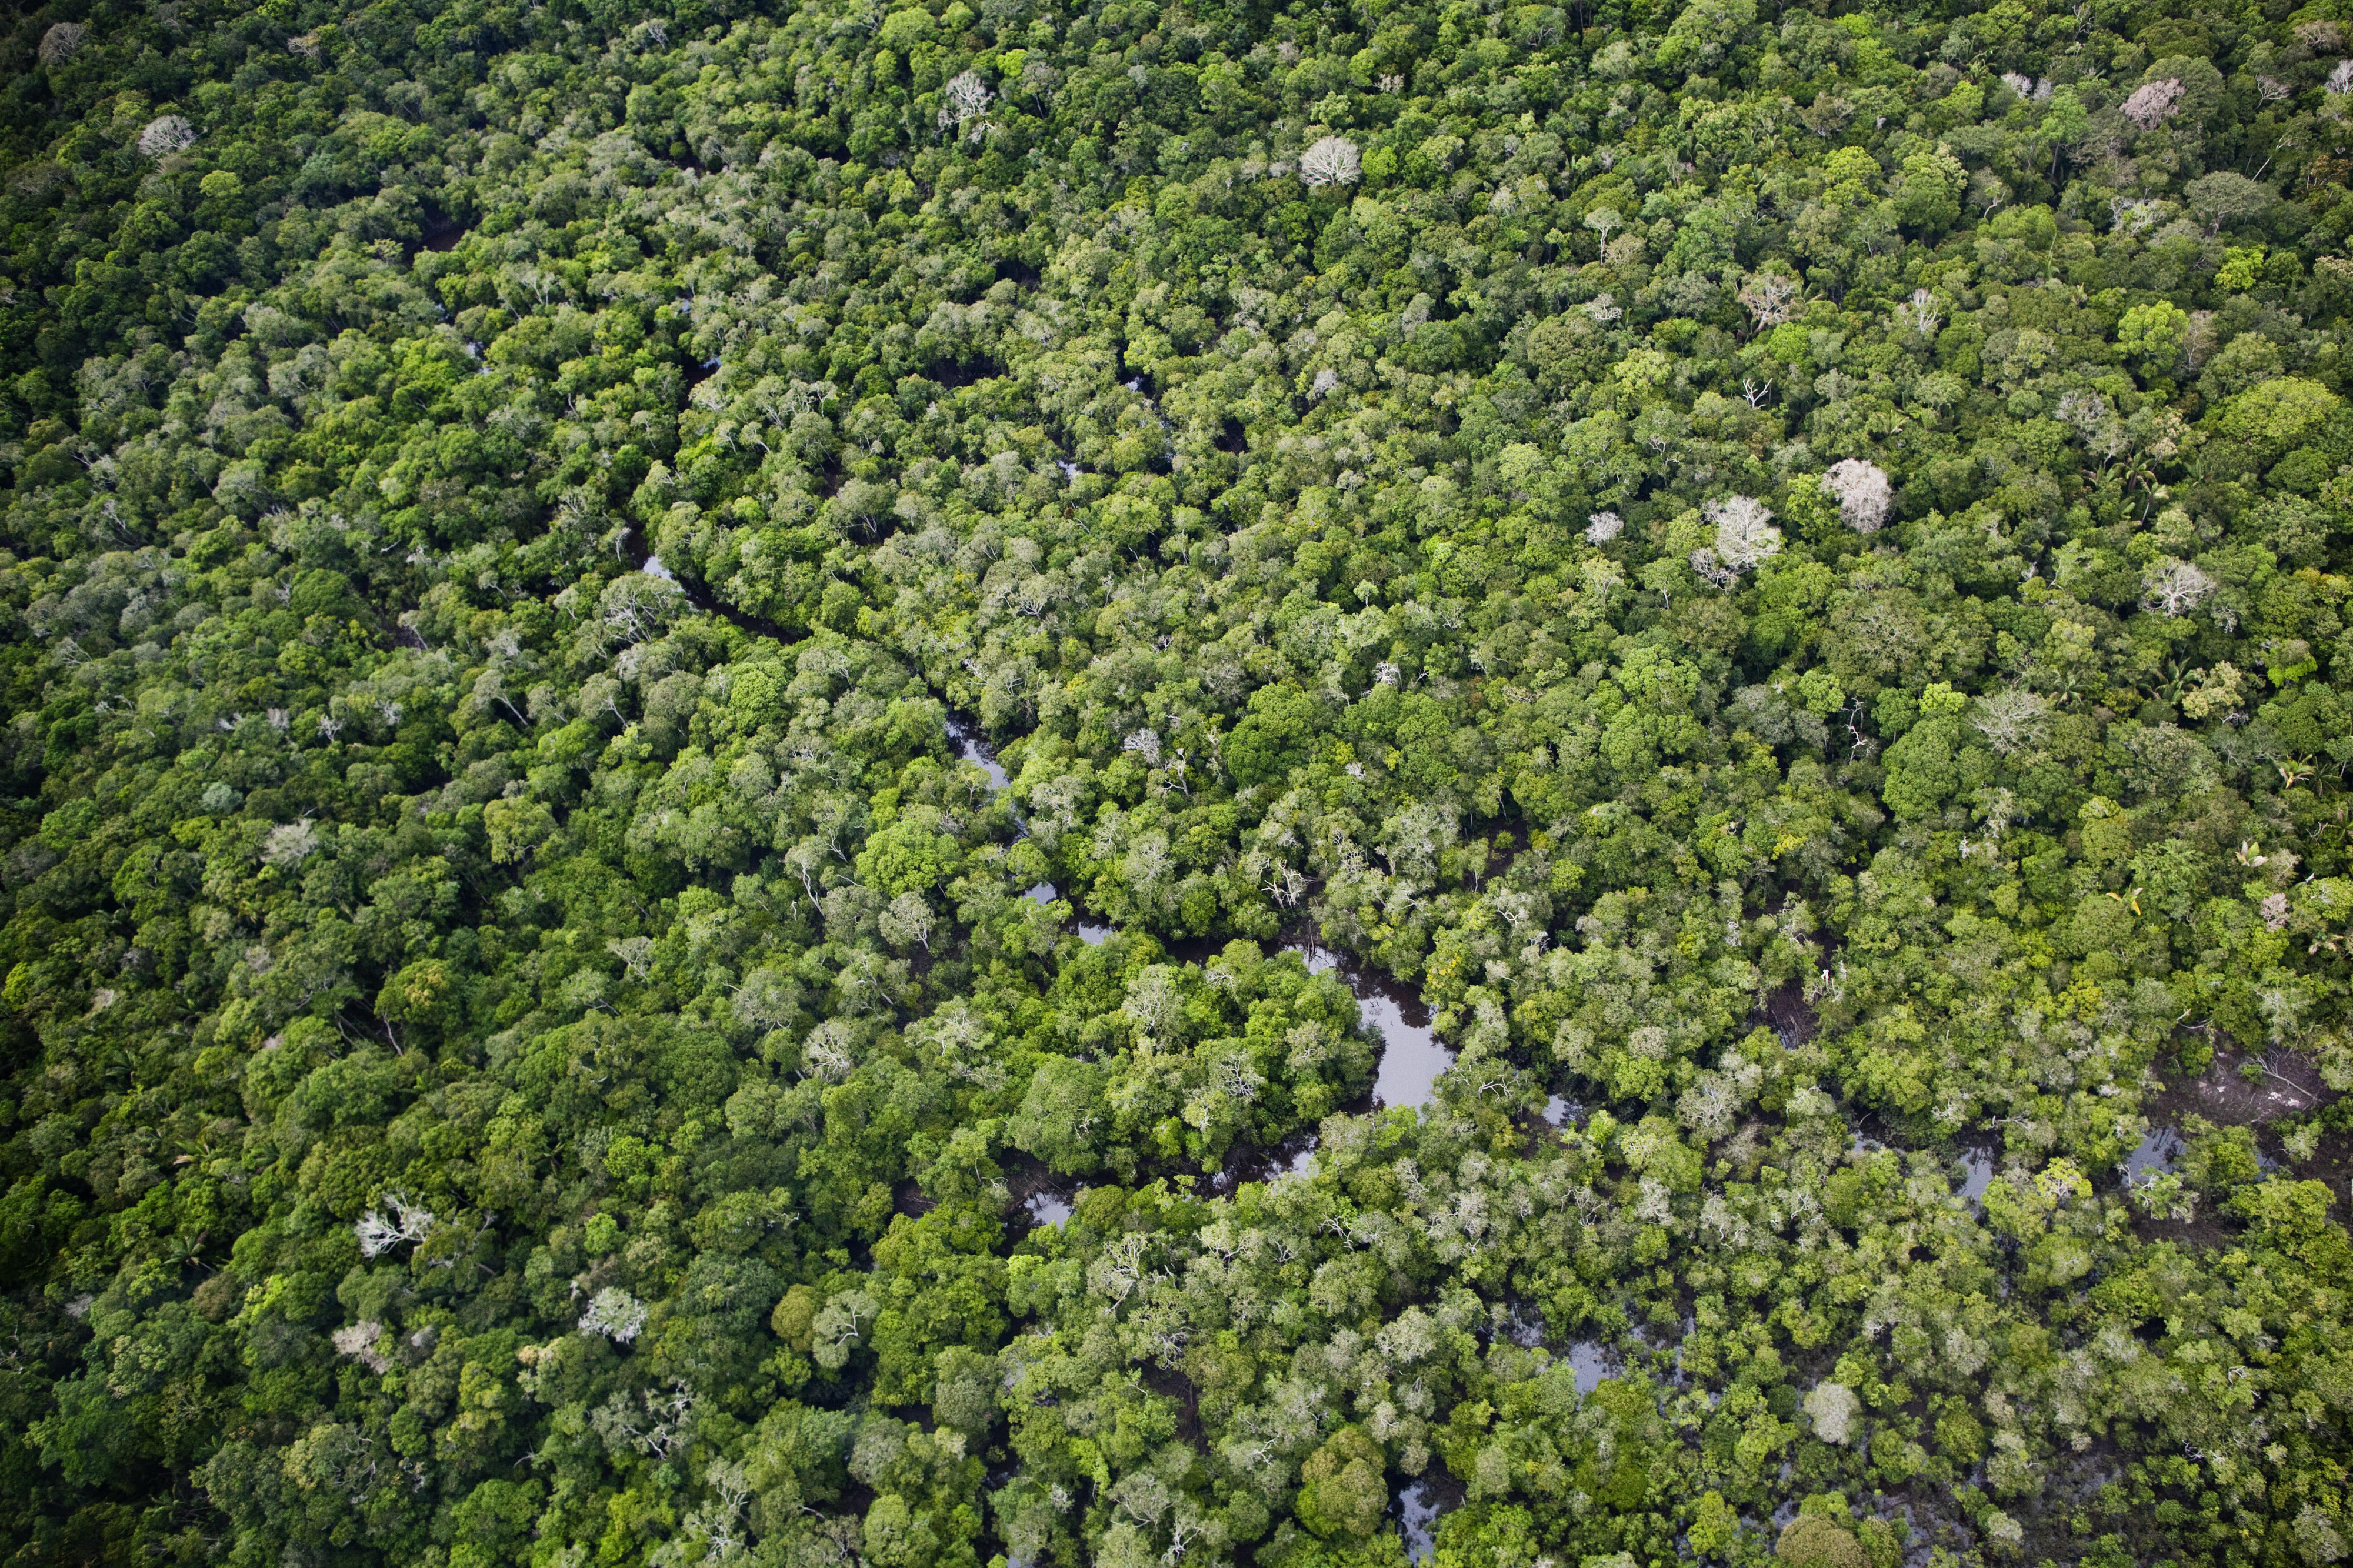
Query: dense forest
{"x": 757, "y": 755}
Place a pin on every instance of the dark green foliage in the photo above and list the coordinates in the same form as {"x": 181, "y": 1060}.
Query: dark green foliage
{"x": 1788, "y": 571}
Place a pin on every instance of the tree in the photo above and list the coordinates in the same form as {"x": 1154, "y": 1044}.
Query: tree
{"x": 721, "y": 729}
{"x": 1333, "y": 161}
{"x": 1862, "y": 493}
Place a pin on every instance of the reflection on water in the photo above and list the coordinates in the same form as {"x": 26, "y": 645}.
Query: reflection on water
{"x": 973, "y": 749}
{"x": 654, "y": 568}
{"x": 1977, "y": 1170}
{"x": 1526, "y": 1329}
{"x": 1047, "y": 1206}
{"x": 1043, "y": 893}
{"x": 1411, "y": 1057}
{"x": 1653, "y": 1340}
{"x": 1559, "y": 1113}
{"x": 2156, "y": 1154}
{"x": 1591, "y": 1361}
{"x": 1418, "y": 1514}
{"x": 1294, "y": 1156}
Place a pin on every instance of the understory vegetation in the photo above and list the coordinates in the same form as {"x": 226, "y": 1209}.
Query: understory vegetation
{"x": 592, "y": 597}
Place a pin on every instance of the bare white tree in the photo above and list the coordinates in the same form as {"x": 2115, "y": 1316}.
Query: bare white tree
{"x": 2174, "y": 588}
{"x": 379, "y": 1234}
{"x": 1771, "y": 299}
{"x": 967, "y": 105}
{"x": 358, "y": 1341}
{"x": 1704, "y": 563}
{"x": 1744, "y": 536}
{"x": 1862, "y": 493}
{"x": 667, "y": 1425}
{"x": 1330, "y": 161}
{"x": 1919, "y": 313}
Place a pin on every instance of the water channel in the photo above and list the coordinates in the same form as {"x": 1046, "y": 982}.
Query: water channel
{"x": 1411, "y": 1057}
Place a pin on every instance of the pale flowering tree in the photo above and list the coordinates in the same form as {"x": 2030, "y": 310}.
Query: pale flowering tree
{"x": 2009, "y": 720}
{"x": 636, "y": 953}
{"x": 614, "y": 1313}
{"x": 826, "y": 1053}
{"x": 1601, "y": 527}
{"x": 359, "y": 1341}
{"x": 1330, "y": 161}
{"x": 1862, "y": 493}
{"x": 1834, "y": 1409}
{"x": 165, "y": 135}
{"x": 2154, "y": 103}
{"x": 1745, "y": 534}
{"x": 2340, "y": 81}
{"x": 290, "y": 844}
{"x": 61, "y": 42}
{"x": 908, "y": 922}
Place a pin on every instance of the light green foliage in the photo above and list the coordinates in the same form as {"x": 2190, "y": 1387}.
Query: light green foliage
{"x": 531, "y": 1040}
